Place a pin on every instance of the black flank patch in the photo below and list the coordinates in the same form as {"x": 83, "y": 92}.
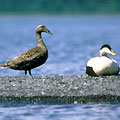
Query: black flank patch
{"x": 89, "y": 71}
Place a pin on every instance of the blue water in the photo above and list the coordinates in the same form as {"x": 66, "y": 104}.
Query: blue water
{"x": 87, "y": 111}
{"x": 74, "y": 41}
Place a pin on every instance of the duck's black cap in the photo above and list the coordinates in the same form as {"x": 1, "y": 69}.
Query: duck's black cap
{"x": 106, "y": 45}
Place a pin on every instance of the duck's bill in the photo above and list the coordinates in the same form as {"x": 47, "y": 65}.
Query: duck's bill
{"x": 49, "y": 32}
{"x": 113, "y": 53}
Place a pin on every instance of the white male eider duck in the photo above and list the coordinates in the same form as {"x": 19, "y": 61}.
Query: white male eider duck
{"x": 103, "y": 65}
{"x": 33, "y": 57}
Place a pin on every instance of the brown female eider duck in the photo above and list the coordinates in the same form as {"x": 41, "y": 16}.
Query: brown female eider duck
{"x": 103, "y": 65}
{"x": 33, "y": 57}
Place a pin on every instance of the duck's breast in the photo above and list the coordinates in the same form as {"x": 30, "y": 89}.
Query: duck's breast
{"x": 103, "y": 65}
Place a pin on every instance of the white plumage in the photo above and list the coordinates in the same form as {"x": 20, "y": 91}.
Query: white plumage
{"x": 103, "y": 65}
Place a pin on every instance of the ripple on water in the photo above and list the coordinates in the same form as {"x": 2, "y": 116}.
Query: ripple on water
{"x": 89, "y": 111}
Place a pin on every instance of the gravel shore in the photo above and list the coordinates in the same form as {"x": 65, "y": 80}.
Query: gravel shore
{"x": 61, "y": 88}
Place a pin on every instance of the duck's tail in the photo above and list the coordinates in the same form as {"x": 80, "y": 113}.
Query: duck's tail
{"x": 3, "y": 65}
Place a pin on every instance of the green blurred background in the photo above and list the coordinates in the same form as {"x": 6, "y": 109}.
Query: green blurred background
{"x": 58, "y": 7}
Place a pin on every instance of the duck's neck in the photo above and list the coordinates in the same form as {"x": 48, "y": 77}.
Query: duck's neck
{"x": 40, "y": 42}
{"x": 105, "y": 55}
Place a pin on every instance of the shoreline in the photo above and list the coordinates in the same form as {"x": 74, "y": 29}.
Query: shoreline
{"x": 60, "y": 88}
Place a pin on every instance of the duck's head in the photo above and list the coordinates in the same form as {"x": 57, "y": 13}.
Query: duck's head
{"x": 106, "y": 49}
{"x": 42, "y": 28}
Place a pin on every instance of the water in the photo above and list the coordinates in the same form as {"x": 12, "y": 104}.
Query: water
{"x": 74, "y": 41}
{"x": 60, "y": 112}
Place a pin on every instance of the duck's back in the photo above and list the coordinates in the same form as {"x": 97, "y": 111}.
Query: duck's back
{"x": 29, "y": 60}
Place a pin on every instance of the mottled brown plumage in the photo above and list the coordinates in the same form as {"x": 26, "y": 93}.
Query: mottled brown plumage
{"x": 33, "y": 57}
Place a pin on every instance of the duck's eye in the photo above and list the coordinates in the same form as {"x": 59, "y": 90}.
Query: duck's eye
{"x": 39, "y": 32}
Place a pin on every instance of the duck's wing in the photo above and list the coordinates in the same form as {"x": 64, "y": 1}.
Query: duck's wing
{"x": 31, "y": 54}
{"x": 24, "y": 58}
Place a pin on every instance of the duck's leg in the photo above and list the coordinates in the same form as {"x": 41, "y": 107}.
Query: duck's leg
{"x": 31, "y": 74}
{"x": 25, "y": 72}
